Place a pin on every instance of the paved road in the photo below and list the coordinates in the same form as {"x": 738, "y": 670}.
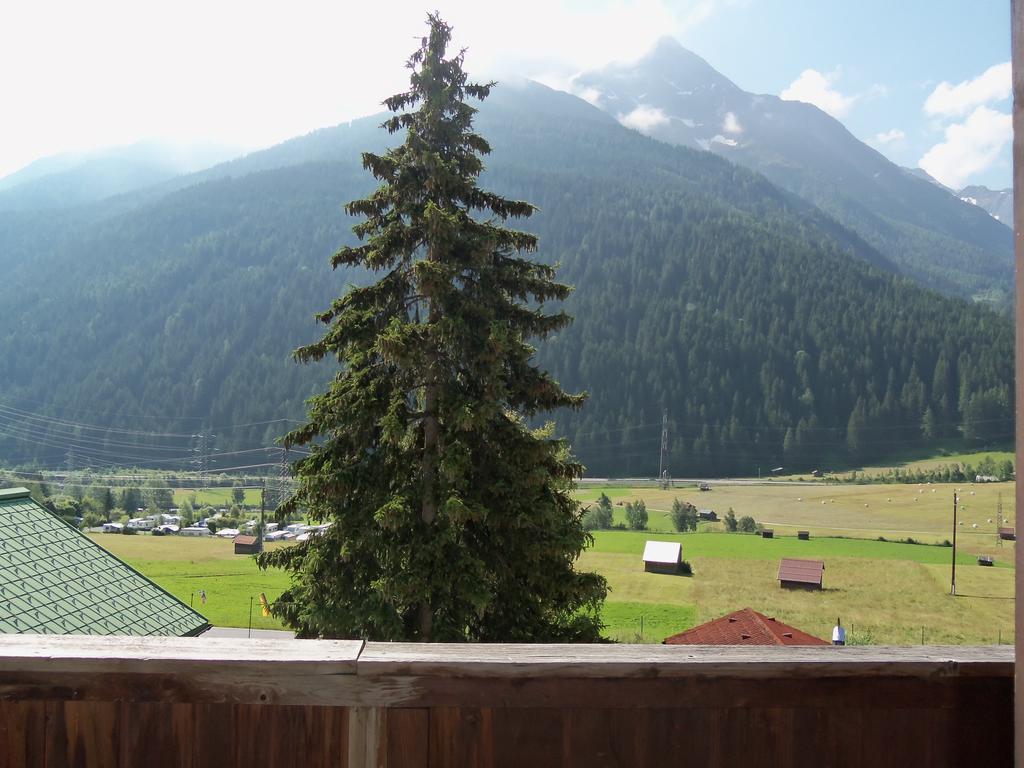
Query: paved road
{"x": 242, "y": 632}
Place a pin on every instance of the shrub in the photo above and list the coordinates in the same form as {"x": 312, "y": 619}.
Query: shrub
{"x": 684, "y": 515}
{"x": 730, "y": 521}
{"x": 746, "y": 524}
{"x": 636, "y": 515}
{"x": 685, "y": 568}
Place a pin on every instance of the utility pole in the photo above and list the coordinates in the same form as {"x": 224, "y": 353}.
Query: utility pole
{"x": 952, "y": 586}
{"x": 663, "y": 464}
{"x": 263, "y": 506}
{"x": 999, "y": 519}
{"x": 202, "y": 447}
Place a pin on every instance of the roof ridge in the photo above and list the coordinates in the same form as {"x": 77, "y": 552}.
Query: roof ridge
{"x": 762, "y": 622}
{"x": 19, "y": 492}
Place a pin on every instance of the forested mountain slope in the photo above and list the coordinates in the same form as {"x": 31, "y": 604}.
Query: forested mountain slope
{"x": 934, "y": 237}
{"x": 72, "y": 179}
{"x": 768, "y": 331}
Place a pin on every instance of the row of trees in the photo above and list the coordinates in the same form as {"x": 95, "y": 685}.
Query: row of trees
{"x": 988, "y": 467}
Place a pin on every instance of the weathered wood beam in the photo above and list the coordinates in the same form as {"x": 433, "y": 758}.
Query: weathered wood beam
{"x": 351, "y": 674}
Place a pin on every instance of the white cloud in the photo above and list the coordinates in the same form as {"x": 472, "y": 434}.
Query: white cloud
{"x": 254, "y": 72}
{"x": 888, "y": 137}
{"x": 731, "y": 124}
{"x": 954, "y": 100}
{"x": 643, "y": 118}
{"x": 591, "y": 95}
{"x": 816, "y": 88}
{"x": 969, "y": 147}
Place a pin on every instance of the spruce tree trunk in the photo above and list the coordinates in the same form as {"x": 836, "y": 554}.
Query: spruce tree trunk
{"x": 431, "y": 430}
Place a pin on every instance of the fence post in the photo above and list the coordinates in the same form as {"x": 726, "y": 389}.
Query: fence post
{"x": 366, "y": 732}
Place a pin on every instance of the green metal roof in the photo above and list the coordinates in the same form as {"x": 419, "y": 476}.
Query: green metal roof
{"x": 55, "y": 580}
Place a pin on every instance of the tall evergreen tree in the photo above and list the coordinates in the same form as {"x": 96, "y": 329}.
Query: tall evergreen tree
{"x": 451, "y": 519}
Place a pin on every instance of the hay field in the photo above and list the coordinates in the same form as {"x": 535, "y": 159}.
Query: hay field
{"x": 895, "y": 511}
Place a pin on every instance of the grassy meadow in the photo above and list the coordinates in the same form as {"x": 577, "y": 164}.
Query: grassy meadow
{"x": 185, "y": 565}
{"x": 884, "y": 592}
{"x": 214, "y": 497}
{"x": 896, "y": 511}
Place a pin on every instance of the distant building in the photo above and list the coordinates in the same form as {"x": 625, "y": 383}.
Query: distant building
{"x": 247, "y": 545}
{"x": 112, "y": 527}
{"x": 803, "y": 535}
{"x": 194, "y": 530}
{"x": 663, "y": 557}
{"x": 745, "y": 627}
{"x": 707, "y": 514}
{"x": 767, "y": 533}
{"x": 1007, "y": 534}
{"x": 801, "y": 574}
{"x": 55, "y": 580}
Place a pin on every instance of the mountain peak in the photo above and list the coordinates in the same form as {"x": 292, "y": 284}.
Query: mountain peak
{"x": 672, "y": 59}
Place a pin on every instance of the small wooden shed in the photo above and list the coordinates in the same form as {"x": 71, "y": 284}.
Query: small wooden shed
{"x": 795, "y": 573}
{"x": 246, "y": 545}
{"x": 803, "y": 535}
{"x": 707, "y": 514}
{"x": 767, "y": 533}
{"x": 663, "y": 557}
{"x": 1008, "y": 534}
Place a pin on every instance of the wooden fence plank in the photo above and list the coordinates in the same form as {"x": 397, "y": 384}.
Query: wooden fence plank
{"x": 408, "y": 739}
{"x": 23, "y": 733}
{"x": 461, "y": 736}
{"x": 156, "y": 735}
{"x": 213, "y": 729}
{"x": 82, "y": 733}
{"x": 528, "y": 737}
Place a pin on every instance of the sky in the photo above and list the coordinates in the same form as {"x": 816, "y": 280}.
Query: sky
{"x": 926, "y": 82}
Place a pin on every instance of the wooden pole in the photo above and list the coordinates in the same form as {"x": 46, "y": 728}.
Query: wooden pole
{"x": 952, "y": 581}
{"x": 263, "y": 507}
{"x": 250, "y": 617}
{"x": 1017, "y": 55}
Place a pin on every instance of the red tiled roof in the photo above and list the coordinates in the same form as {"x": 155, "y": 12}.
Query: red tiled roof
{"x": 746, "y": 627}
{"x": 803, "y": 571}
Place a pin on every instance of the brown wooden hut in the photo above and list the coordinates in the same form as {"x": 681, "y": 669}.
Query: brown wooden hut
{"x": 795, "y": 573}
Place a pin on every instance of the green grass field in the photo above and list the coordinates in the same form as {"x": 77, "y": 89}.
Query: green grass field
{"x": 184, "y": 566}
{"x": 884, "y": 592}
{"x": 897, "y": 511}
{"x": 214, "y": 497}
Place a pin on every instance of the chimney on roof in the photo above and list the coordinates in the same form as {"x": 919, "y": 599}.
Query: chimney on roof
{"x": 838, "y": 633}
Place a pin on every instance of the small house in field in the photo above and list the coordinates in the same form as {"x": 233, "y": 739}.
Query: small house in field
{"x": 663, "y": 556}
{"x": 746, "y": 627}
{"x": 986, "y": 560}
{"x": 767, "y": 533}
{"x": 707, "y": 514}
{"x": 1008, "y": 534}
{"x": 247, "y": 545}
{"x": 795, "y": 573}
{"x": 803, "y": 535}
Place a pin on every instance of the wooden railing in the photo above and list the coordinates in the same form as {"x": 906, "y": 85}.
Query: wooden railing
{"x": 69, "y": 701}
